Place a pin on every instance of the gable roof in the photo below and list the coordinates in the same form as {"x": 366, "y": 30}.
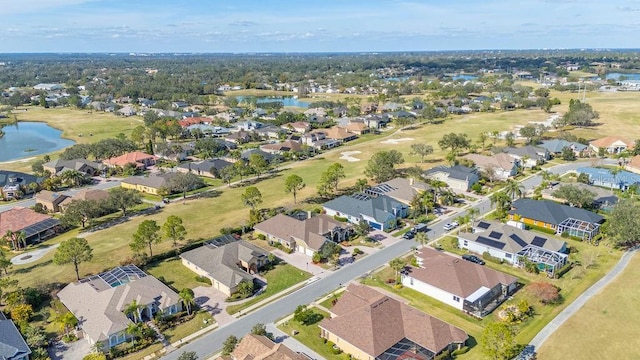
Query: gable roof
{"x": 401, "y": 189}
{"x": 374, "y": 322}
{"x": 12, "y": 344}
{"x": 501, "y": 160}
{"x": 380, "y": 208}
{"x": 310, "y": 231}
{"x": 99, "y": 301}
{"x": 532, "y": 152}
{"x": 551, "y": 212}
{"x": 258, "y": 347}
{"x": 338, "y": 133}
{"x": 610, "y": 140}
{"x": 457, "y": 172}
{"x": 221, "y": 262}
{"x": 205, "y": 165}
{"x": 129, "y": 158}
{"x": 508, "y": 238}
{"x": 50, "y": 196}
{"x": 23, "y": 219}
{"x": 284, "y": 146}
{"x": 82, "y": 165}
{"x": 454, "y": 275}
{"x": 155, "y": 181}
{"x": 556, "y": 145}
{"x": 22, "y": 178}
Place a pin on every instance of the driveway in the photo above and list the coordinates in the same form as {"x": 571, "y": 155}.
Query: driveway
{"x": 213, "y": 301}
{"x": 302, "y": 262}
{"x": 76, "y": 350}
{"x": 32, "y": 256}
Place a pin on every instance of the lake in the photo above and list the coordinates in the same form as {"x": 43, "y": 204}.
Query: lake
{"x": 616, "y": 76}
{"x": 465, "y": 77}
{"x": 26, "y": 139}
{"x": 285, "y": 100}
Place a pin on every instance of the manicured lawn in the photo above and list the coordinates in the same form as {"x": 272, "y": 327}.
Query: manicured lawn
{"x": 606, "y": 327}
{"x": 175, "y": 274}
{"x": 144, "y": 352}
{"x": 328, "y": 303}
{"x": 200, "y": 321}
{"x": 282, "y": 277}
{"x": 309, "y": 336}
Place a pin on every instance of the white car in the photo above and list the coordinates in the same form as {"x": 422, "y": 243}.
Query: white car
{"x": 450, "y": 226}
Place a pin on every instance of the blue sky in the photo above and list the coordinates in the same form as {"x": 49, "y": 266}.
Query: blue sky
{"x": 314, "y": 26}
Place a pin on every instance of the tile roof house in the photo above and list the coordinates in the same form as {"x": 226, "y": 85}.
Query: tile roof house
{"x": 634, "y": 164}
{"x": 611, "y": 144}
{"x": 528, "y": 156}
{"x": 305, "y": 236}
{"x": 358, "y": 128}
{"x": 338, "y": 133}
{"x": 400, "y": 189}
{"x": 282, "y": 147}
{"x": 503, "y": 165}
{"x": 57, "y": 167}
{"x": 50, "y": 200}
{"x": 370, "y": 325}
{"x": 12, "y": 344}
{"x": 510, "y": 243}
{"x": 467, "y": 286}
{"x": 36, "y": 227}
{"x": 459, "y": 178}
{"x": 139, "y": 159}
{"x": 381, "y": 212}
{"x": 98, "y": 302}
{"x": 258, "y": 347}
{"x": 561, "y": 218}
{"x": 556, "y": 146}
{"x": 203, "y": 168}
{"x": 226, "y": 262}
{"x": 298, "y": 126}
{"x": 147, "y": 184}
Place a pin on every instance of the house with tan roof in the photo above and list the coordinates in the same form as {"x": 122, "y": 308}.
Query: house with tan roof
{"x": 503, "y": 165}
{"x": 152, "y": 184}
{"x": 338, "y": 133}
{"x": 611, "y": 144}
{"x": 298, "y": 126}
{"x": 137, "y": 158}
{"x": 368, "y": 324}
{"x": 634, "y": 164}
{"x": 226, "y": 261}
{"x": 99, "y": 303}
{"x": 35, "y": 226}
{"x": 358, "y": 128}
{"x": 50, "y": 200}
{"x": 258, "y": 347}
{"x": 287, "y": 146}
{"x": 470, "y": 287}
{"x": 97, "y": 195}
{"x": 305, "y": 236}
{"x": 400, "y": 189}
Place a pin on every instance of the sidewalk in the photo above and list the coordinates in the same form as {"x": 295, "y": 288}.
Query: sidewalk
{"x": 291, "y": 343}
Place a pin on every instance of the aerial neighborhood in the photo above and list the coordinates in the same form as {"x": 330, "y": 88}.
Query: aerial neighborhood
{"x": 415, "y": 207}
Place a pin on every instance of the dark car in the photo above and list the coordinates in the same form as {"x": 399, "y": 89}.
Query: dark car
{"x": 473, "y": 259}
{"x": 409, "y": 235}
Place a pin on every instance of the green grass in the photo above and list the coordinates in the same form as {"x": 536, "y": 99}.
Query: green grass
{"x": 328, "y": 303}
{"x": 282, "y": 277}
{"x": 175, "y": 274}
{"x": 309, "y": 336}
{"x": 197, "y": 323}
{"x": 154, "y": 348}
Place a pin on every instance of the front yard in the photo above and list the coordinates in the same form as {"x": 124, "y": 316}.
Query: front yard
{"x": 174, "y": 274}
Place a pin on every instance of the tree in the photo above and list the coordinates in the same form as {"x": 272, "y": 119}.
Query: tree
{"x": 501, "y": 201}
{"x": 330, "y": 179}
{"x": 183, "y": 182}
{"x": 226, "y": 174}
{"x": 482, "y": 139}
{"x": 579, "y": 114}
{"x": 173, "y": 229}
{"x": 545, "y": 292}
{"x": 422, "y": 238}
{"x": 381, "y": 166}
{"x": 454, "y": 142}
{"x": 73, "y": 178}
{"x": 530, "y": 132}
{"x": 229, "y": 345}
{"x": 251, "y": 197}
{"x": 67, "y": 321}
{"x": 132, "y": 310}
{"x": 188, "y": 355}
{"x": 499, "y": 341}
{"x": 306, "y": 316}
{"x": 362, "y": 228}
{"x": 510, "y": 139}
{"x": 135, "y": 331}
{"x": 259, "y": 329}
{"x": 146, "y": 235}
{"x": 22, "y": 313}
{"x": 188, "y": 299}
{"x": 575, "y": 196}
{"x": 362, "y": 185}
{"x": 122, "y": 199}
{"x": 5, "y": 263}
{"x": 568, "y": 154}
{"x": 397, "y": 265}
{"x": 81, "y": 212}
{"x": 623, "y": 224}
{"x": 258, "y": 164}
{"x": 292, "y": 184}
{"x": 514, "y": 189}
{"x": 73, "y": 251}
{"x": 422, "y": 150}
{"x": 16, "y": 238}
{"x": 246, "y": 288}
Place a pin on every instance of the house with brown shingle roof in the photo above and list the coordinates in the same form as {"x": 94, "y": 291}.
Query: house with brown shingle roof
{"x": 258, "y": 347}
{"x": 86, "y": 194}
{"x": 282, "y": 147}
{"x": 36, "y": 226}
{"x": 358, "y": 128}
{"x": 305, "y": 236}
{"x": 368, "y": 324}
{"x": 503, "y": 165}
{"x": 612, "y": 144}
{"x": 50, "y": 200}
{"x": 338, "y": 133}
{"x": 138, "y": 158}
{"x": 634, "y": 164}
{"x": 467, "y": 286}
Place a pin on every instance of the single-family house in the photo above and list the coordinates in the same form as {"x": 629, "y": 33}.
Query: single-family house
{"x": 36, "y": 227}
{"x": 620, "y": 180}
{"x": 611, "y": 144}
{"x": 512, "y": 244}
{"x": 376, "y": 121}
{"x": 226, "y": 261}
{"x": 556, "y": 146}
{"x": 459, "y": 178}
{"x": 528, "y": 156}
{"x": 50, "y": 200}
{"x": 259, "y": 347}
{"x": 368, "y": 108}
{"x": 97, "y": 195}
{"x": 87, "y": 167}
{"x": 318, "y": 141}
{"x": 467, "y": 286}
{"x": 298, "y": 126}
{"x": 152, "y": 184}
{"x": 13, "y": 184}
{"x": 137, "y": 158}
{"x": 368, "y": 324}
{"x": 547, "y": 214}
{"x": 502, "y": 166}
{"x": 99, "y": 303}
{"x": 604, "y": 198}
{"x": 126, "y": 111}
{"x": 400, "y": 189}
{"x": 12, "y": 344}
{"x": 339, "y": 134}
{"x": 48, "y": 87}
{"x": 380, "y": 212}
{"x": 358, "y": 128}
{"x": 179, "y": 104}
{"x": 305, "y": 236}
{"x": 282, "y": 147}
{"x": 208, "y": 168}
{"x": 246, "y": 155}
{"x": 239, "y": 137}
{"x": 318, "y": 111}
{"x": 634, "y": 164}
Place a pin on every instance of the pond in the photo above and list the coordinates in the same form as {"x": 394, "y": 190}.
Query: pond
{"x": 285, "y": 100}
{"x": 464, "y": 77}
{"x": 26, "y": 139}
{"x": 630, "y": 76}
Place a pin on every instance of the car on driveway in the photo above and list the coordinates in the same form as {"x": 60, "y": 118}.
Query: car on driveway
{"x": 473, "y": 259}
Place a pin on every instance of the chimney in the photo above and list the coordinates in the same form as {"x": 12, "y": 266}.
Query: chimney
{"x": 411, "y": 181}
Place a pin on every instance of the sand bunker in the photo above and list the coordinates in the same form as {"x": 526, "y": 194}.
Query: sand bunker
{"x": 396, "y": 141}
{"x": 348, "y": 155}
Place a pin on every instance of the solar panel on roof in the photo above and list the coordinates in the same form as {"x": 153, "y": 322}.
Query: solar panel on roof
{"x": 495, "y": 235}
{"x": 221, "y": 240}
{"x": 538, "y": 241}
{"x": 489, "y": 242}
{"x": 518, "y": 240}
{"x": 483, "y": 225}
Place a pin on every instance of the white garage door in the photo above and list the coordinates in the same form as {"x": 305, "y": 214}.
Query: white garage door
{"x": 309, "y": 252}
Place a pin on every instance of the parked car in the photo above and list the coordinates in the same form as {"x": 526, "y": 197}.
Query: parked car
{"x": 473, "y": 259}
{"x": 409, "y": 235}
{"x": 450, "y": 226}
{"x": 421, "y": 227}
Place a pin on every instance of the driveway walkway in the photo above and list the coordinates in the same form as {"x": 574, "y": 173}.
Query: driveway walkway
{"x": 302, "y": 262}
{"x": 291, "y": 343}
{"x": 565, "y": 314}
{"x": 32, "y": 256}
{"x": 213, "y": 301}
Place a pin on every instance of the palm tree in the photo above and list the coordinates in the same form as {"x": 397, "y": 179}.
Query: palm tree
{"x": 448, "y": 197}
{"x": 501, "y": 201}
{"x": 21, "y": 239}
{"x": 514, "y": 189}
{"x": 398, "y": 265}
{"x": 9, "y": 237}
{"x": 187, "y": 297}
{"x": 135, "y": 331}
{"x": 133, "y": 310}
{"x": 67, "y": 321}
{"x": 422, "y": 238}
{"x": 473, "y": 214}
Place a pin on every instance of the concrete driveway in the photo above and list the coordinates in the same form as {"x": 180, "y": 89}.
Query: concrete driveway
{"x": 76, "y": 350}
{"x": 33, "y": 255}
{"x": 213, "y": 301}
{"x": 302, "y": 262}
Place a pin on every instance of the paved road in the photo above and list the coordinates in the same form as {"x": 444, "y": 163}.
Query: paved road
{"x": 565, "y": 314}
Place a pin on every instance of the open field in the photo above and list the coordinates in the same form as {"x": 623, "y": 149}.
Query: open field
{"x": 174, "y": 274}
{"x": 606, "y": 327}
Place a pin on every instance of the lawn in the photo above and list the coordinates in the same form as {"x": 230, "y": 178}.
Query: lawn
{"x": 201, "y": 320}
{"x": 309, "y": 336}
{"x": 606, "y": 327}
{"x": 282, "y": 277}
{"x": 174, "y": 274}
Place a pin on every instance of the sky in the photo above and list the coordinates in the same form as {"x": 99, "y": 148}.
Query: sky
{"x": 239, "y": 26}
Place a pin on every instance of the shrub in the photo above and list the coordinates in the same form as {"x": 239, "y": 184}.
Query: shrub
{"x": 262, "y": 237}
{"x": 462, "y": 350}
{"x": 487, "y": 256}
{"x": 357, "y": 251}
{"x": 545, "y": 292}
{"x": 340, "y": 218}
{"x": 203, "y": 279}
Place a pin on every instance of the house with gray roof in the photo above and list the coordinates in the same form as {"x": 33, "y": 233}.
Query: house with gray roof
{"x": 12, "y": 344}
{"x": 556, "y": 146}
{"x": 99, "y": 303}
{"x": 13, "y": 183}
{"x": 400, "y": 189}
{"x": 58, "y": 166}
{"x": 267, "y": 156}
{"x": 380, "y": 212}
{"x": 226, "y": 261}
{"x": 203, "y": 168}
{"x": 528, "y": 156}
{"x": 459, "y": 178}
